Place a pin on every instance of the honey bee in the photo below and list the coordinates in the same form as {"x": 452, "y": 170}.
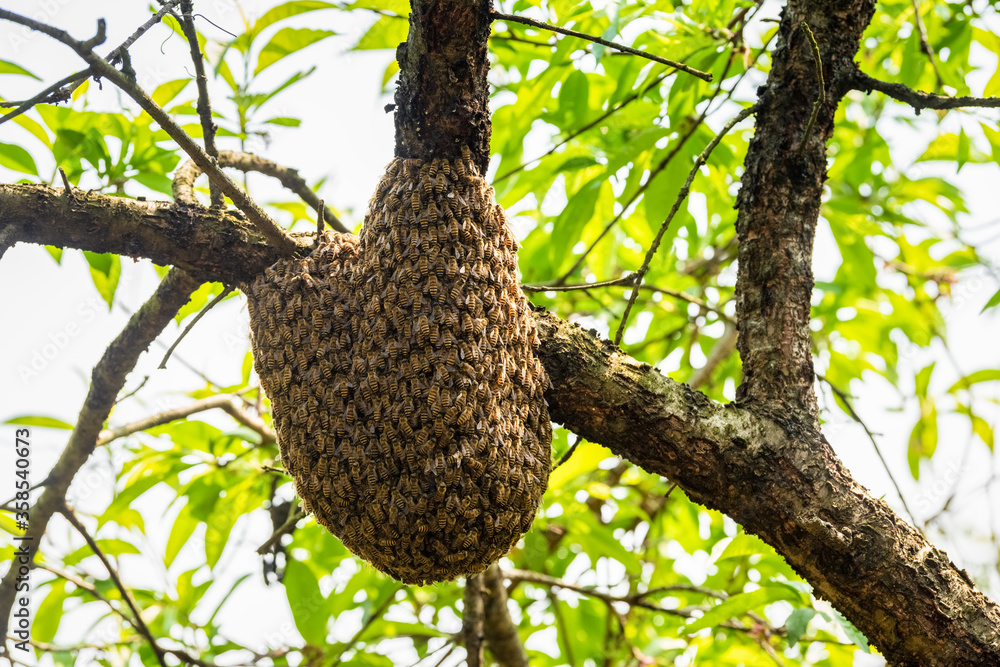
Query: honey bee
{"x": 424, "y": 327}
{"x": 433, "y": 400}
{"x": 434, "y": 334}
{"x": 424, "y": 265}
{"x": 460, "y": 168}
{"x": 427, "y": 182}
{"x": 455, "y": 557}
{"x": 433, "y": 288}
{"x": 439, "y": 183}
{"x": 432, "y": 212}
{"x": 415, "y": 203}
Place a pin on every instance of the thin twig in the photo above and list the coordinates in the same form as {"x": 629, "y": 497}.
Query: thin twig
{"x": 64, "y": 89}
{"x": 137, "y": 622}
{"x": 201, "y": 313}
{"x": 845, "y": 399}
{"x": 925, "y": 43}
{"x": 821, "y": 95}
{"x": 364, "y": 626}
{"x": 187, "y": 173}
{"x": 681, "y": 196}
{"x": 569, "y": 453}
{"x": 204, "y": 106}
{"x": 652, "y": 175}
{"x": 275, "y": 235}
{"x": 722, "y": 349}
{"x": 628, "y": 279}
{"x": 575, "y": 133}
{"x": 705, "y": 76}
{"x": 294, "y": 515}
{"x": 917, "y": 99}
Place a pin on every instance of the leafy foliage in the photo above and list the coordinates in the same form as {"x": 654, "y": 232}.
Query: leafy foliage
{"x": 591, "y": 148}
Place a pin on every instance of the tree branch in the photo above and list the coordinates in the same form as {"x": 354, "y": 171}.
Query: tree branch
{"x": 136, "y": 618}
{"x": 917, "y": 99}
{"x": 275, "y": 235}
{"x": 704, "y": 76}
{"x": 501, "y": 633}
{"x": 472, "y": 620}
{"x": 106, "y": 381}
{"x": 204, "y": 102}
{"x": 187, "y": 173}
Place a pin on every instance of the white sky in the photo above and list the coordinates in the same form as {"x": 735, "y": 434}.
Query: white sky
{"x": 347, "y": 136}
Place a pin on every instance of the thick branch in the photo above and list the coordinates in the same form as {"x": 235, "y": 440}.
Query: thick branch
{"x": 106, "y": 381}
{"x": 472, "y": 620}
{"x": 779, "y": 479}
{"x": 501, "y": 633}
{"x": 442, "y": 100}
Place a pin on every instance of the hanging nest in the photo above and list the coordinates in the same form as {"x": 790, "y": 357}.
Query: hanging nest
{"x": 404, "y": 385}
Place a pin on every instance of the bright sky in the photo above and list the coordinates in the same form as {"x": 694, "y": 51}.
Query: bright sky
{"x": 56, "y": 324}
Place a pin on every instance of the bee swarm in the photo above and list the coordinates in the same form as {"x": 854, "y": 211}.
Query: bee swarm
{"x": 402, "y": 374}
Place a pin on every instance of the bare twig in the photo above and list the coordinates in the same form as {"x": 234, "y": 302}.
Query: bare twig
{"x": 225, "y": 402}
{"x": 275, "y": 235}
{"x": 186, "y": 174}
{"x": 201, "y": 313}
{"x": 846, "y": 400}
{"x": 294, "y": 515}
{"x": 681, "y": 196}
{"x": 204, "y": 103}
{"x": 821, "y": 95}
{"x": 917, "y": 99}
{"x": 925, "y": 43}
{"x": 723, "y": 348}
{"x": 136, "y": 620}
{"x": 107, "y": 380}
{"x": 63, "y": 89}
{"x": 575, "y": 133}
{"x": 705, "y": 76}
{"x": 472, "y": 620}
{"x": 375, "y": 615}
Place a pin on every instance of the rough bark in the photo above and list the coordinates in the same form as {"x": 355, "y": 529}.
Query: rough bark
{"x": 442, "y": 100}
{"x": 780, "y": 198}
{"x": 780, "y": 480}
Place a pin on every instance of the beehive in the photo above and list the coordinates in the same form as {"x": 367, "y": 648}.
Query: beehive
{"x": 404, "y": 385}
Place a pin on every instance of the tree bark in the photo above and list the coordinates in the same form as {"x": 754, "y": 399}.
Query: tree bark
{"x": 761, "y": 460}
{"x": 442, "y": 100}
{"x": 778, "y": 478}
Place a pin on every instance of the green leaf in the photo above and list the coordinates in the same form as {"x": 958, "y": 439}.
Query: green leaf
{"x": 992, "y": 303}
{"x": 852, "y": 632}
{"x": 743, "y": 545}
{"x": 7, "y": 67}
{"x": 287, "y": 41}
{"x": 986, "y": 375}
{"x": 41, "y": 422}
{"x": 284, "y": 121}
{"x": 105, "y": 271}
{"x": 16, "y": 158}
{"x": 306, "y": 601}
{"x": 46, "y": 619}
{"x": 963, "y": 149}
{"x": 165, "y": 92}
{"x": 386, "y": 33}
{"x": 739, "y": 604}
{"x": 180, "y": 533}
{"x": 797, "y": 624}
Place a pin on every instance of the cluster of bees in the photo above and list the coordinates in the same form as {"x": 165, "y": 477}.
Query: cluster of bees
{"x": 404, "y": 385}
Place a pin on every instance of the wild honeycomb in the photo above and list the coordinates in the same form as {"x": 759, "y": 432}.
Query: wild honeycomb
{"x": 401, "y": 369}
